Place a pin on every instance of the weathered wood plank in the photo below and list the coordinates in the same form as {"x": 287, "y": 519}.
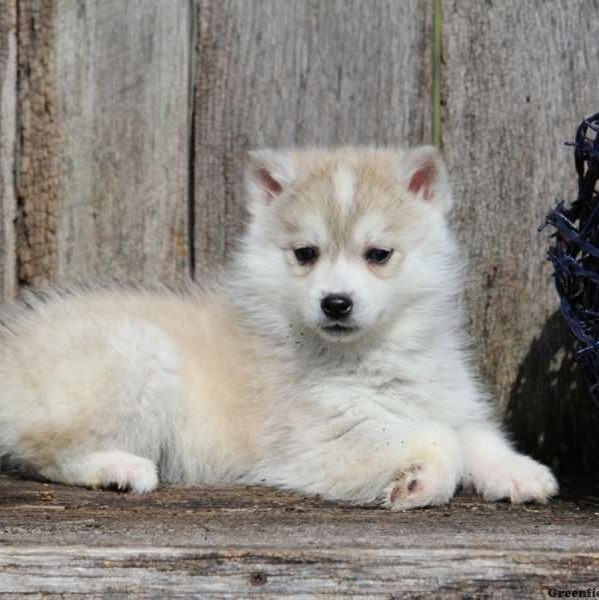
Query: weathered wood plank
{"x": 39, "y": 176}
{"x": 104, "y": 166}
{"x": 8, "y": 128}
{"x": 239, "y": 541}
{"x": 517, "y": 79}
{"x": 175, "y": 572}
{"x": 300, "y": 72}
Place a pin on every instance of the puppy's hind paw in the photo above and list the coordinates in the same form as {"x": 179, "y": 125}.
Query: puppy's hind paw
{"x": 130, "y": 472}
{"x": 111, "y": 469}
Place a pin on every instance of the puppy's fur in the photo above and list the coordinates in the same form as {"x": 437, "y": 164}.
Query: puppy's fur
{"x": 252, "y": 381}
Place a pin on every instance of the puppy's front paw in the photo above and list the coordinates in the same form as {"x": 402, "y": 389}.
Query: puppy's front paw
{"x": 517, "y": 477}
{"x": 420, "y": 485}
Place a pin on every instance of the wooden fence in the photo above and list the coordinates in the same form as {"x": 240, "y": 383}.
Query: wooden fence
{"x": 123, "y": 125}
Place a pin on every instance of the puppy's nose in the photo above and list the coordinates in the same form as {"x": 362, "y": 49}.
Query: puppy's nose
{"x": 336, "y": 306}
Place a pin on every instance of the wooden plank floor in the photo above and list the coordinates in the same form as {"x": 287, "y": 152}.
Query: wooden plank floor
{"x": 238, "y": 542}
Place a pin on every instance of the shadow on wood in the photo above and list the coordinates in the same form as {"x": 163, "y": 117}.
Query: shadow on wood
{"x": 549, "y": 410}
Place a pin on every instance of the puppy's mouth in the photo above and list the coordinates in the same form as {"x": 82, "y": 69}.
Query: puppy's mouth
{"x": 338, "y": 330}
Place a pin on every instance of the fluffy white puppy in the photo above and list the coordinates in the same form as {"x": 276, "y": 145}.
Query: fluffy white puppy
{"x": 330, "y": 358}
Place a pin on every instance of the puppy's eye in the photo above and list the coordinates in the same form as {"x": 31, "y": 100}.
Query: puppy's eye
{"x": 306, "y": 255}
{"x": 377, "y": 256}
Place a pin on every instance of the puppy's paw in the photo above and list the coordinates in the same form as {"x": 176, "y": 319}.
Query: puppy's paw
{"x": 110, "y": 469}
{"x": 516, "y": 477}
{"x": 131, "y": 472}
{"x": 420, "y": 485}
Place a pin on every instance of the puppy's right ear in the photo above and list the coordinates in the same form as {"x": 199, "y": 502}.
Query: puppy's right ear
{"x": 268, "y": 173}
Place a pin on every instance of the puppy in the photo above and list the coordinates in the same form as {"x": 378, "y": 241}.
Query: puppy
{"x": 329, "y": 357}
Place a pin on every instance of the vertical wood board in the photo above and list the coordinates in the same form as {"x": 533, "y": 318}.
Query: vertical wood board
{"x": 8, "y": 126}
{"x": 122, "y": 71}
{"x": 38, "y": 160}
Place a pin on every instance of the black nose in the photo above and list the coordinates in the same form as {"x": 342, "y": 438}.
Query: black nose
{"x": 336, "y": 306}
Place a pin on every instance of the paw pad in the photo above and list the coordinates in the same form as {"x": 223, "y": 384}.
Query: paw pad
{"x": 419, "y": 485}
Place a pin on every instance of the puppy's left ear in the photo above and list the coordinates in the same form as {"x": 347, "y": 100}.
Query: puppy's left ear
{"x": 424, "y": 174}
{"x": 268, "y": 173}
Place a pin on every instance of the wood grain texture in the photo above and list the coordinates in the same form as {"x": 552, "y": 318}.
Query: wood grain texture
{"x": 8, "y": 128}
{"x": 517, "y": 79}
{"x": 105, "y": 100}
{"x": 237, "y": 542}
{"x": 300, "y": 72}
{"x": 38, "y": 167}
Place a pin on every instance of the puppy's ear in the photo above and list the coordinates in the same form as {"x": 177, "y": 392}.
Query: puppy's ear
{"x": 268, "y": 173}
{"x": 422, "y": 171}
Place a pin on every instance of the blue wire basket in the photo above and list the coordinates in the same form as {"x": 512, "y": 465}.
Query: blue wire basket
{"x": 575, "y": 253}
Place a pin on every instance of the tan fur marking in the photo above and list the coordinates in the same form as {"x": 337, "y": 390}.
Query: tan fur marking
{"x": 344, "y": 182}
{"x": 341, "y": 187}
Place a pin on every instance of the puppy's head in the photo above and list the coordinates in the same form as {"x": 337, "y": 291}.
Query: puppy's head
{"x": 340, "y": 242}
